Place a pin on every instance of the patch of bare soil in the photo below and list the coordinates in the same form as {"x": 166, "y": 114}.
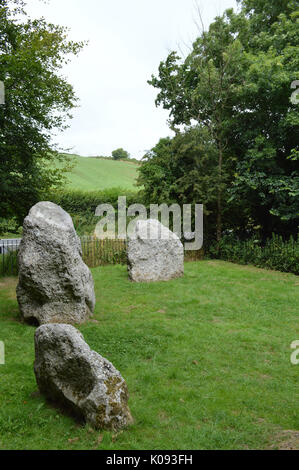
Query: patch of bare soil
{"x": 287, "y": 440}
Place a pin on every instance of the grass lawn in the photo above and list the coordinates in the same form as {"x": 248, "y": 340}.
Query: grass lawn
{"x": 206, "y": 359}
{"x": 92, "y": 174}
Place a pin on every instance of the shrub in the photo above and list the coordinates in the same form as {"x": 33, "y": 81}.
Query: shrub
{"x": 82, "y": 205}
{"x": 276, "y": 253}
{"x": 8, "y": 226}
{"x": 85, "y": 203}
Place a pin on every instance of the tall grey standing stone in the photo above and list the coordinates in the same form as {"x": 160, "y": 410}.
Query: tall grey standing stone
{"x": 154, "y": 253}
{"x": 70, "y": 374}
{"x": 55, "y": 285}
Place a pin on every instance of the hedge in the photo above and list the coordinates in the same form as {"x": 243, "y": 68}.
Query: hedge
{"x": 276, "y": 253}
{"x": 85, "y": 203}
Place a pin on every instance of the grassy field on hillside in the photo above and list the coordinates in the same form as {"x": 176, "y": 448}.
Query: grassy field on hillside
{"x": 92, "y": 174}
{"x": 206, "y": 359}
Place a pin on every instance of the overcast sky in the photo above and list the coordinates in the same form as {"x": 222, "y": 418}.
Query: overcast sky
{"x": 127, "y": 41}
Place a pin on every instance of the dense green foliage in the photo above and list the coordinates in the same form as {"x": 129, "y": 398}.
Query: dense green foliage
{"x": 206, "y": 360}
{"x": 120, "y": 154}
{"x": 275, "y": 253}
{"x": 81, "y": 205}
{"x": 267, "y": 127}
{"x": 184, "y": 170}
{"x": 236, "y": 84}
{"x": 85, "y": 203}
{"x": 38, "y": 101}
{"x": 9, "y": 225}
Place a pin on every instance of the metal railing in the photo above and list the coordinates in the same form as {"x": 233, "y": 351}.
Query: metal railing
{"x": 8, "y": 256}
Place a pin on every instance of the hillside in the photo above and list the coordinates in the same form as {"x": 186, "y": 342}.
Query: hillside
{"x": 91, "y": 174}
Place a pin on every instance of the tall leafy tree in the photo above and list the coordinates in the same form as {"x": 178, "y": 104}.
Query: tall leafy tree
{"x": 266, "y": 122}
{"x": 203, "y": 88}
{"x": 236, "y": 83}
{"x": 38, "y": 101}
{"x": 120, "y": 154}
{"x": 183, "y": 169}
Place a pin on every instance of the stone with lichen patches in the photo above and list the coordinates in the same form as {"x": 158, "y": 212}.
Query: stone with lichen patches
{"x": 154, "y": 253}
{"x": 78, "y": 379}
{"x": 55, "y": 285}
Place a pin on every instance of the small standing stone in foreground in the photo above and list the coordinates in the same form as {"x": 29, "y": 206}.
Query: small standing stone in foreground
{"x": 55, "y": 285}
{"x": 73, "y": 376}
{"x": 154, "y": 253}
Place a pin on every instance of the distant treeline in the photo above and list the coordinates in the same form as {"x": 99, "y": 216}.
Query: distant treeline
{"x": 103, "y": 157}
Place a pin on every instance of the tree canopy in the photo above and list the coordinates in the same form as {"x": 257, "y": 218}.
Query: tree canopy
{"x": 236, "y": 84}
{"x": 38, "y": 101}
{"x": 120, "y": 154}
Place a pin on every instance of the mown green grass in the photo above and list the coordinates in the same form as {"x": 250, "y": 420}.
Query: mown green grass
{"x": 94, "y": 174}
{"x": 206, "y": 359}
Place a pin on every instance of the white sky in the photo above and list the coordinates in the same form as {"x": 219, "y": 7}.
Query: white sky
{"x": 127, "y": 41}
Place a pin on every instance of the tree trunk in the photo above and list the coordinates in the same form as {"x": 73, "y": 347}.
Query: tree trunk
{"x": 219, "y": 198}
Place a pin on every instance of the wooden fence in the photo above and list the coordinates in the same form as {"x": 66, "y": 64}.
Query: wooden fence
{"x": 100, "y": 252}
{"x": 95, "y": 253}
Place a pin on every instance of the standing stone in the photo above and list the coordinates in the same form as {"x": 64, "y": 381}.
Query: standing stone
{"x": 55, "y": 285}
{"x": 73, "y": 376}
{"x": 154, "y": 253}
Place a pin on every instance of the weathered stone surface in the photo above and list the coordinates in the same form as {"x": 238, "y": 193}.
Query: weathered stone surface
{"x": 154, "y": 253}
{"x": 55, "y": 285}
{"x": 189, "y": 236}
{"x": 71, "y": 375}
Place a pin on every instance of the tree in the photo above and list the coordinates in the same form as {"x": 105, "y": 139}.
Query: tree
{"x": 266, "y": 123}
{"x": 120, "y": 154}
{"x": 180, "y": 169}
{"x": 203, "y": 88}
{"x": 37, "y": 101}
{"x": 183, "y": 170}
{"x": 236, "y": 83}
